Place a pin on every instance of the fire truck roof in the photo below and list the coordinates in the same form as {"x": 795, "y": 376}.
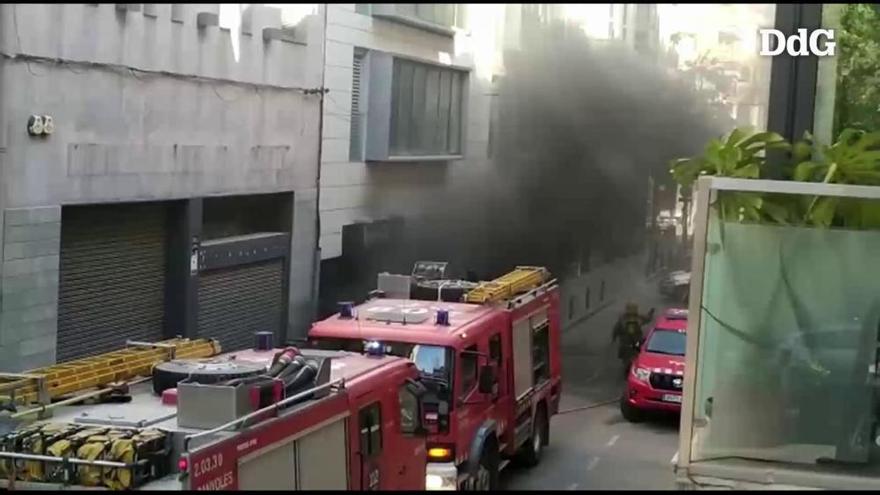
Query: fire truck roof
{"x": 402, "y": 320}
{"x": 348, "y": 365}
{"x": 147, "y": 409}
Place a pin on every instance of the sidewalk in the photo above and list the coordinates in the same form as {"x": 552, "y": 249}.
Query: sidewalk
{"x": 585, "y": 296}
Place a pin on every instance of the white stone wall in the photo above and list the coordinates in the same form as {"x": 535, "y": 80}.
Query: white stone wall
{"x": 147, "y": 105}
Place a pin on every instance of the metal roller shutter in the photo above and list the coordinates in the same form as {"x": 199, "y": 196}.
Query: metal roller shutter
{"x": 112, "y": 278}
{"x": 237, "y": 302}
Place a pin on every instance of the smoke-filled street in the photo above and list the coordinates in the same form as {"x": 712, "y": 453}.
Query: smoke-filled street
{"x": 595, "y": 448}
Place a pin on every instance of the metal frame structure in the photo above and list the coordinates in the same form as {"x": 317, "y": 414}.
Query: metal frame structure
{"x": 793, "y": 79}
{"x": 745, "y": 473}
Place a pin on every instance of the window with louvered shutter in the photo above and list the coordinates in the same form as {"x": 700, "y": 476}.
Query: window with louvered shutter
{"x": 426, "y": 109}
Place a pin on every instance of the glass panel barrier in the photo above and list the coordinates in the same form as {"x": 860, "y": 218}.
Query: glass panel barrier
{"x": 787, "y": 354}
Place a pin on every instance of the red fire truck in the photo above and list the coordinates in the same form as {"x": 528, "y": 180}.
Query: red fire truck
{"x": 352, "y": 423}
{"x": 490, "y": 363}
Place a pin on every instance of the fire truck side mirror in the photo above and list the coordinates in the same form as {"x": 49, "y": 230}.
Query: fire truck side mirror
{"x": 487, "y": 379}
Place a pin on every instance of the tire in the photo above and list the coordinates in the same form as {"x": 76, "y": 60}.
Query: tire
{"x": 452, "y": 290}
{"x": 533, "y": 449}
{"x": 487, "y": 475}
{"x": 630, "y": 413}
{"x": 167, "y": 375}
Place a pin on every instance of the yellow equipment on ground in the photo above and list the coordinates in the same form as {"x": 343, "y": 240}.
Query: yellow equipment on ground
{"x": 44, "y": 384}
{"x": 522, "y": 279}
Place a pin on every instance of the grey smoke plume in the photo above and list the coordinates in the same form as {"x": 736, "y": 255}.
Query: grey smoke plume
{"x": 581, "y": 126}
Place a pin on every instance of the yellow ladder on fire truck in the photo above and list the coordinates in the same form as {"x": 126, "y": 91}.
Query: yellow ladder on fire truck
{"x": 521, "y": 279}
{"x": 43, "y": 384}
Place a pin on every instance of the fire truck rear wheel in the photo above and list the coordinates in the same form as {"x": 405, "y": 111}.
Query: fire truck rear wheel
{"x": 533, "y": 449}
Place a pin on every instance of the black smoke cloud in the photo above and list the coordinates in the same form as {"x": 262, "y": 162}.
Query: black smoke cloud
{"x": 580, "y": 127}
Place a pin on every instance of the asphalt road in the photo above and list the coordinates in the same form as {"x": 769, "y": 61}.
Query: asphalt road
{"x": 595, "y": 448}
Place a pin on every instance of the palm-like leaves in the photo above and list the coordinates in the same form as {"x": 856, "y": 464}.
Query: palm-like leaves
{"x": 740, "y": 154}
{"x": 853, "y": 159}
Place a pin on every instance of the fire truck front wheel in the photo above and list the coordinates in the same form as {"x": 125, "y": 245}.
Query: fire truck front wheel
{"x": 486, "y": 478}
{"x": 630, "y": 413}
{"x": 533, "y": 449}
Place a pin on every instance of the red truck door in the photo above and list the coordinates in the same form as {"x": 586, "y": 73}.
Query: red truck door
{"x": 409, "y": 457}
{"x": 370, "y": 428}
{"x": 474, "y": 407}
{"x": 392, "y": 454}
{"x": 499, "y": 356}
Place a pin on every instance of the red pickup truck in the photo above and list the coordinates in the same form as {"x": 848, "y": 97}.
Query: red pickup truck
{"x": 654, "y": 381}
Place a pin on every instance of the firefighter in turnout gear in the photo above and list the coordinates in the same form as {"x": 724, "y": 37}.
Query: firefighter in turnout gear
{"x": 628, "y": 333}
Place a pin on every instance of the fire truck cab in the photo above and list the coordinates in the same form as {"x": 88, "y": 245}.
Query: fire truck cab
{"x": 491, "y": 366}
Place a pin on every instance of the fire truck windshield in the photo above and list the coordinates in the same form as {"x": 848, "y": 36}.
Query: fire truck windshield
{"x": 431, "y": 361}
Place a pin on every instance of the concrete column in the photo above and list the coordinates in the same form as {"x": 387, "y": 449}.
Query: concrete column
{"x": 182, "y": 289}
{"x": 302, "y": 264}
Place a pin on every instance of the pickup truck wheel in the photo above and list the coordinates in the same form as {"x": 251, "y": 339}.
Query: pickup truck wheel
{"x": 533, "y": 449}
{"x": 630, "y": 413}
{"x": 487, "y": 472}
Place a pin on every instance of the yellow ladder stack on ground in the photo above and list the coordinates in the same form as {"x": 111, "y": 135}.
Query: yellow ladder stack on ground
{"x": 44, "y": 384}
{"x": 521, "y": 279}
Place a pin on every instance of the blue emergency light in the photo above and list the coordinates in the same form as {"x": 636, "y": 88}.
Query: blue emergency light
{"x": 443, "y": 317}
{"x": 374, "y": 348}
{"x": 346, "y": 310}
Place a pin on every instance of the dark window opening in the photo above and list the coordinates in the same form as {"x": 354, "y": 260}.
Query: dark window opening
{"x": 541, "y": 353}
{"x": 468, "y": 370}
{"x": 230, "y": 216}
{"x": 495, "y": 348}
{"x": 370, "y": 422}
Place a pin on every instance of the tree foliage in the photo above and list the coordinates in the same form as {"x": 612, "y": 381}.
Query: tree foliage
{"x": 857, "y": 100}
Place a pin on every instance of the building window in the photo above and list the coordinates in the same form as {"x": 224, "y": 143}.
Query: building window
{"x": 587, "y": 299}
{"x": 438, "y": 13}
{"x": 426, "y": 109}
{"x": 437, "y": 17}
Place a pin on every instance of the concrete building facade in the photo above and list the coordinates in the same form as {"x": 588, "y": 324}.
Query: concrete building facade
{"x": 407, "y": 115}
{"x": 175, "y": 187}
